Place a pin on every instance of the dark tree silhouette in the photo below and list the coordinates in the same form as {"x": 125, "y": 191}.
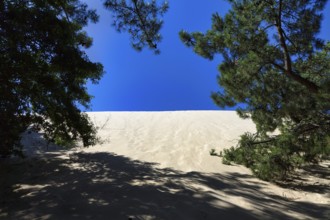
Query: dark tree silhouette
{"x": 44, "y": 69}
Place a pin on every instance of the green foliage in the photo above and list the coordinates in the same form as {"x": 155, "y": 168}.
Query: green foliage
{"x": 141, "y": 19}
{"x": 44, "y": 71}
{"x": 275, "y": 64}
{"x": 212, "y": 152}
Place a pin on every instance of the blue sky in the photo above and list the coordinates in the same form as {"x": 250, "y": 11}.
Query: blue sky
{"x": 177, "y": 79}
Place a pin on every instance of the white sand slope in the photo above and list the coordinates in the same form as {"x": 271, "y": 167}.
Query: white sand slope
{"x": 156, "y": 165}
{"x": 180, "y": 140}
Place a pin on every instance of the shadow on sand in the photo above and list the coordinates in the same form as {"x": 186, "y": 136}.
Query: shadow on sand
{"x": 108, "y": 186}
{"x": 300, "y": 181}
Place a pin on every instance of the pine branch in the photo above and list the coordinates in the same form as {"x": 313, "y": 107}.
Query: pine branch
{"x": 287, "y": 58}
{"x": 144, "y": 26}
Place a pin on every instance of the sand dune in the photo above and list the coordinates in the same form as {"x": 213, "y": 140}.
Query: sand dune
{"x": 180, "y": 140}
{"x": 155, "y": 165}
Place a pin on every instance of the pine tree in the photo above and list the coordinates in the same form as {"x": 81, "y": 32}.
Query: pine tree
{"x": 44, "y": 70}
{"x": 274, "y": 64}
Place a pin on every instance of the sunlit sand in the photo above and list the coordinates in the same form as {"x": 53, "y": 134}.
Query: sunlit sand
{"x": 155, "y": 165}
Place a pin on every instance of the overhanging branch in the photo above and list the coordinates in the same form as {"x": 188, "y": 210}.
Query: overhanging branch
{"x": 287, "y": 58}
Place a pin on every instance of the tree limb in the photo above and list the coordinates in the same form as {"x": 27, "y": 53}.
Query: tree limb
{"x": 144, "y": 26}
{"x": 287, "y": 59}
